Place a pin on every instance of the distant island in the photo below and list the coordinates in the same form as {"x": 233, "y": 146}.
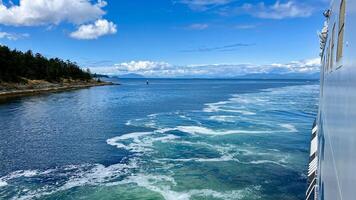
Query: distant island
{"x": 277, "y": 76}
{"x": 252, "y": 76}
{"x": 100, "y": 76}
{"x": 23, "y": 73}
{"x": 131, "y": 75}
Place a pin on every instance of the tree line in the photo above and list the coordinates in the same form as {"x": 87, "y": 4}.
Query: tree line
{"x": 16, "y": 65}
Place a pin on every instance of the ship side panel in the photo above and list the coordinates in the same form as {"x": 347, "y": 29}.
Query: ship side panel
{"x": 337, "y": 115}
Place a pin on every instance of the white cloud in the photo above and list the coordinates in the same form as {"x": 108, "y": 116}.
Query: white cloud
{"x": 48, "y": 12}
{"x": 53, "y": 12}
{"x": 245, "y": 26}
{"x": 139, "y": 66}
{"x": 224, "y": 48}
{"x": 278, "y": 10}
{"x": 303, "y": 66}
{"x": 163, "y": 69}
{"x": 100, "y": 28}
{"x": 13, "y": 36}
{"x": 203, "y": 4}
{"x": 197, "y": 26}
{"x": 146, "y": 68}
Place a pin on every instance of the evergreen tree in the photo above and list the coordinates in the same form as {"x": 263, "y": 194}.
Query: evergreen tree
{"x": 16, "y": 65}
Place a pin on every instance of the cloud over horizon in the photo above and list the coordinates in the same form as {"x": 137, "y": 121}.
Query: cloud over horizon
{"x": 165, "y": 70}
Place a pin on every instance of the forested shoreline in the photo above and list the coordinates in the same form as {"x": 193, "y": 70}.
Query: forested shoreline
{"x": 17, "y": 67}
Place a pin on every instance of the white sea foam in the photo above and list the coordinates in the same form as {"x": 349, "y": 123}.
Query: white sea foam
{"x": 116, "y": 141}
{"x": 141, "y": 142}
{"x": 154, "y": 183}
{"x": 3, "y": 183}
{"x": 254, "y": 98}
{"x": 134, "y": 136}
{"x": 163, "y": 185}
{"x": 224, "y": 158}
{"x": 164, "y": 138}
{"x": 223, "y": 118}
{"x": 78, "y": 175}
{"x": 222, "y": 108}
{"x": 186, "y": 117}
{"x": 152, "y": 115}
{"x": 142, "y": 122}
{"x": 250, "y": 192}
{"x": 164, "y": 130}
{"x": 265, "y": 162}
{"x": 100, "y": 174}
{"x": 244, "y": 112}
{"x": 128, "y": 123}
{"x": 233, "y": 153}
{"x": 223, "y": 150}
{"x": 289, "y": 127}
{"x": 214, "y": 107}
{"x": 206, "y": 131}
{"x": 19, "y": 174}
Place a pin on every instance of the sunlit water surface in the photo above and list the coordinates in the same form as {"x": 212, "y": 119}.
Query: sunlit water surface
{"x": 172, "y": 139}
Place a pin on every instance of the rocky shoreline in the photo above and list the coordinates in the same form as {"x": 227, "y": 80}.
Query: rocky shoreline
{"x": 8, "y": 91}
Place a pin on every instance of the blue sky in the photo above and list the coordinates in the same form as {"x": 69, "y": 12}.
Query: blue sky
{"x": 169, "y": 38}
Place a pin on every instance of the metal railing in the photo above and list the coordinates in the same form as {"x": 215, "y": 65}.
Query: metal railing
{"x": 311, "y": 193}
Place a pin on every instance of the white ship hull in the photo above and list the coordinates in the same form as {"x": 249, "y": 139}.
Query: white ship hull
{"x": 336, "y": 123}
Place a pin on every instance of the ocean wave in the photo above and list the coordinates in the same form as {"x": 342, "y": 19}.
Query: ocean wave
{"x": 225, "y": 158}
{"x": 228, "y": 195}
{"x": 147, "y": 123}
{"x": 252, "y": 113}
{"x": 223, "y": 118}
{"x": 289, "y": 127}
{"x": 150, "y": 182}
{"x": 128, "y": 123}
{"x": 257, "y": 162}
{"x": 234, "y": 153}
{"x": 214, "y": 108}
{"x": 140, "y": 142}
{"x": 136, "y": 145}
{"x": 67, "y": 177}
{"x": 3, "y": 183}
{"x": 154, "y": 183}
{"x": 100, "y": 174}
{"x": 207, "y": 131}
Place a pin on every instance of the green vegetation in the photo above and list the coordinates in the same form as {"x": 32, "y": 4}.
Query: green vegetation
{"x": 16, "y": 66}
{"x": 95, "y": 75}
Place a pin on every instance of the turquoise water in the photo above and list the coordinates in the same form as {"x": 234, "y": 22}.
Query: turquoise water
{"x": 172, "y": 139}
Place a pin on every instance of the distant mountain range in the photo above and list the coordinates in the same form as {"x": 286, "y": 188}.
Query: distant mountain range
{"x": 313, "y": 76}
{"x": 247, "y": 76}
{"x": 131, "y": 75}
{"x": 280, "y": 76}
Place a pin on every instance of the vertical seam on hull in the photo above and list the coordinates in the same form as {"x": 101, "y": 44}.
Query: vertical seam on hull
{"x": 336, "y": 173}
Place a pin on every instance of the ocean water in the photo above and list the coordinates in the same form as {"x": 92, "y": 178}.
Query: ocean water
{"x": 171, "y": 139}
